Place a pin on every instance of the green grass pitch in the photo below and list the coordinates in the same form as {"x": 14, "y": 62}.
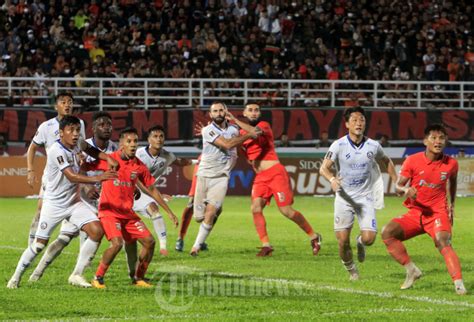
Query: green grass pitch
{"x": 229, "y": 283}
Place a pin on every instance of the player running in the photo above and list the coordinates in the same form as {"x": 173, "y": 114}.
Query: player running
{"x": 46, "y": 135}
{"x": 271, "y": 180}
{"x": 102, "y": 129}
{"x": 62, "y": 201}
{"x": 428, "y": 173}
{"x": 218, "y": 158}
{"x": 116, "y": 213}
{"x": 354, "y": 156}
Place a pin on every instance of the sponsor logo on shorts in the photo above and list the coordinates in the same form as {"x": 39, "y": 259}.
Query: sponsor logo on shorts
{"x": 337, "y": 219}
{"x": 281, "y": 196}
{"x": 43, "y": 225}
{"x": 118, "y": 226}
{"x": 374, "y": 223}
{"x": 438, "y": 222}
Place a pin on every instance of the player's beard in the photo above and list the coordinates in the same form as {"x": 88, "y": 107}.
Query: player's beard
{"x": 253, "y": 122}
{"x": 218, "y": 120}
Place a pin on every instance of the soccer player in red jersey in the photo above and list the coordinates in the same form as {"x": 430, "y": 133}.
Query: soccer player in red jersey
{"x": 271, "y": 180}
{"x": 428, "y": 211}
{"x": 116, "y": 213}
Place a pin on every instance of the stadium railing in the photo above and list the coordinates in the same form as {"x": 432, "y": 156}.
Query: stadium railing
{"x": 153, "y": 93}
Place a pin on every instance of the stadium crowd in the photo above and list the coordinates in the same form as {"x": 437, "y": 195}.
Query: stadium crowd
{"x": 346, "y": 40}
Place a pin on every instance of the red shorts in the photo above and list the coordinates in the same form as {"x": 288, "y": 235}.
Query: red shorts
{"x": 273, "y": 182}
{"x": 192, "y": 190}
{"x": 129, "y": 229}
{"x": 414, "y": 223}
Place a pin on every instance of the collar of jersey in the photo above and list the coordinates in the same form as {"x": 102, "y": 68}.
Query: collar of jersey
{"x": 354, "y": 145}
{"x": 218, "y": 128}
{"x": 428, "y": 161}
{"x": 151, "y": 156}
{"x": 64, "y": 147}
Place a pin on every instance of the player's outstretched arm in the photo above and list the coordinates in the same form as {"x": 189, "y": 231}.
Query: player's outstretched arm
{"x": 97, "y": 154}
{"x": 153, "y": 192}
{"x": 246, "y": 127}
{"x": 228, "y": 144}
{"x": 402, "y": 190}
{"x": 30, "y": 163}
{"x": 326, "y": 172}
{"x": 80, "y": 178}
{"x": 388, "y": 164}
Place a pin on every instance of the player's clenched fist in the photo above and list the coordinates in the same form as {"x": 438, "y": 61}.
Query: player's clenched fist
{"x": 335, "y": 183}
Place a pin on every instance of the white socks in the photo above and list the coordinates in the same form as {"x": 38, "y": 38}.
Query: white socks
{"x": 160, "y": 229}
{"x": 204, "y": 231}
{"x": 86, "y": 254}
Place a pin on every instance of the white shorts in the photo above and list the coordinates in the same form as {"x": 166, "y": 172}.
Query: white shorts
{"x": 141, "y": 204}
{"x": 378, "y": 190}
{"x": 51, "y": 215}
{"x": 346, "y": 209}
{"x": 209, "y": 191}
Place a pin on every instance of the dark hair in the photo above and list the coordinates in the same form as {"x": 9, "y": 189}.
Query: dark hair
{"x": 156, "y": 128}
{"x": 63, "y": 94}
{"x": 350, "y": 110}
{"x": 251, "y": 103}
{"x": 436, "y": 128}
{"x": 98, "y": 115}
{"x": 217, "y": 102}
{"x": 128, "y": 130}
{"x": 68, "y": 120}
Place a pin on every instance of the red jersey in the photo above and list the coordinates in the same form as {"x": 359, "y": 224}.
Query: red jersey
{"x": 116, "y": 197}
{"x": 430, "y": 179}
{"x": 261, "y": 148}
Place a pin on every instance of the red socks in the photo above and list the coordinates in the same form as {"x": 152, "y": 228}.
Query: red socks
{"x": 185, "y": 220}
{"x": 452, "y": 262}
{"x": 261, "y": 226}
{"x": 102, "y": 269}
{"x": 142, "y": 267}
{"x": 397, "y": 250}
{"x": 301, "y": 221}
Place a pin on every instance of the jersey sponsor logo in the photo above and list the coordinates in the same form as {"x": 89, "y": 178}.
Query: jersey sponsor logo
{"x": 44, "y": 225}
{"x": 118, "y": 183}
{"x": 424, "y": 183}
{"x": 60, "y": 159}
{"x": 348, "y": 155}
{"x": 444, "y": 175}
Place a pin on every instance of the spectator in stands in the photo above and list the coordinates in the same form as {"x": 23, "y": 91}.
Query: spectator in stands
{"x": 384, "y": 141}
{"x": 324, "y": 140}
{"x": 284, "y": 142}
{"x": 3, "y": 147}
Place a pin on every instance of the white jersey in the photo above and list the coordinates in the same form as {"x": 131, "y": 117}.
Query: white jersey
{"x": 48, "y": 133}
{"x": 111, "y": 147}
{"x": 58, "y": 189}
{"x": 215, "y": 161}
{"x": 355, "y": 164}
{"x": 157, "y": 165}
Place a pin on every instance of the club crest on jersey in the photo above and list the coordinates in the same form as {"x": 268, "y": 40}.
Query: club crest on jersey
{"x": 444, "y": 175}
{"x": 133, "y": 175}
{"x": 370, "y": 155}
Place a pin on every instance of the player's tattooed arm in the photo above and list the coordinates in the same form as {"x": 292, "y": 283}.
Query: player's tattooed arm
{"x": 327, "y": 172}
{"x": 402, "y": 190}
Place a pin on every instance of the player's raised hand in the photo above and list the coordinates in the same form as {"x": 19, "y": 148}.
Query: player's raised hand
{"x": 107, "y": 175}
{"x": 113, "y": 164}
{"x": 256, "y": 132}
{"x": 31, "y": 178}
{"x": 335, "y": 183}
{"x": 229, "y": 116}
{"x": 198, "y": 128}
{"x": 410, "y": 192}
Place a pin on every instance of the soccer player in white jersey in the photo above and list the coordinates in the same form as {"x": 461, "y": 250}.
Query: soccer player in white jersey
{"x": 354, "y": 156}
{"x": 102, "y": 129}
{"x": 62, "y": 201}
{"x": 46, "y": 135}
{"x": 157, "y": 159}
{"x": 218, "y": 158}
